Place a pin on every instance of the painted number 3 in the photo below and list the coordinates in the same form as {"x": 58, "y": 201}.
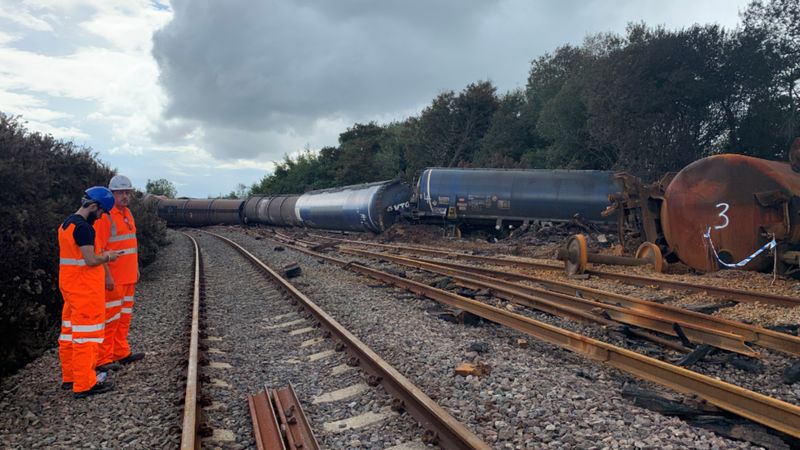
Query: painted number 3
{"x": 724, "y": 216}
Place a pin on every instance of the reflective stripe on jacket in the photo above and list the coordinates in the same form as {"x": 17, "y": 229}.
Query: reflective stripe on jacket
{"x": 73, "y": 273}
{"x": 117, "y": 230}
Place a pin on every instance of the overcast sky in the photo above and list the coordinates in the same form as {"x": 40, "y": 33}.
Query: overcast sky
{"x": 208, "y": 93}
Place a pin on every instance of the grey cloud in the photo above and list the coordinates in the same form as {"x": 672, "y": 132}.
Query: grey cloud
{"x": 249, "y": 72}
{"x": 255, "y": 64}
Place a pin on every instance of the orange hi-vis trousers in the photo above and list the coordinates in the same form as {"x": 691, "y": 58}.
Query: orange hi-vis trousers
{"x": 113, "y": 313}
{"x": 82, "y": 329}
{"x": 121, "y": 346}
{"x": 118, "y": 311}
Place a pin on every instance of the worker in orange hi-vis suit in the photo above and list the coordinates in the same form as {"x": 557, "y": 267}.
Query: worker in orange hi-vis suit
{"x": 80, "y": 279}
{"x": 117, "y": 231}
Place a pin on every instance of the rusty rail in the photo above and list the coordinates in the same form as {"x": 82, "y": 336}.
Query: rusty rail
{"x": 771, "y": 339}
{"x": 768, "y": 411}
{"x": 265, "y": 421}
{"x": 563, "y": 304}
{"x": 279, "y": 422}
{"x": 446, "y": 431}
{"x": 763, "y": 337}
{"x": 715, "y": 291}
{"x": 191, "y": 412}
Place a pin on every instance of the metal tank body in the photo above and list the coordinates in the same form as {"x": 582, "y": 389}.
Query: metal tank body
{"x": 743, "y": 201}
{"x": 364, "y": 207}
{"x": 483, "y": 195}
{"x": 200, "y": 212}
{"x": 276, "y": 210}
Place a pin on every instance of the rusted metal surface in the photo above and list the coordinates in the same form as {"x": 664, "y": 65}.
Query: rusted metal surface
{"x": 768, "y": 411}
{"x": 763, "y": 337}
{"x": 744, "y": 202}
{"x": 714, "y": 291}
{"x": 265, "y": 422}
{"x": 446, "y": 431}
{"x": 279, "y": 422}
{"x": 562, "y": 304}
{"x": 576, "y": 256}
{"x": 297, "y": 430}
{"x": 638, "y": 206}
{"x": 196, "y": 212}
{"x": 191, "y": 412}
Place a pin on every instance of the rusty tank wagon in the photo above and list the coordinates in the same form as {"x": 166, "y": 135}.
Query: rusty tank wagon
{"x": 723, "y": 211}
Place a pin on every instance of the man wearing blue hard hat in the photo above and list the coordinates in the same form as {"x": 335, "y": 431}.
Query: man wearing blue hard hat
{"x": 81, "y": 280}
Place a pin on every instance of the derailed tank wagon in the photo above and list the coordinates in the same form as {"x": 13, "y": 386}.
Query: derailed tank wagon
{"x": 195, "y": 212}
{"x": 276, "y": 210}
{"x": 732, "y": 211}
{"x": 370, "y": 207}
{"x": 365, "y": 207}
{"x": 514, "y": 196}
{"x": 723, "y": 211}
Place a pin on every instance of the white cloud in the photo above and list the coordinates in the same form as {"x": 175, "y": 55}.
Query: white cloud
{"x": 7, "y": 38}
{"x": 20, "y": 14}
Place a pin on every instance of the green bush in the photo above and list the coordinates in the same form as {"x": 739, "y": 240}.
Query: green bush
{"x": 41, "y": 182}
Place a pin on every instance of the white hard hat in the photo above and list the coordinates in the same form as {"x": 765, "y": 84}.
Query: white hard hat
{"x": 120, "y": 183}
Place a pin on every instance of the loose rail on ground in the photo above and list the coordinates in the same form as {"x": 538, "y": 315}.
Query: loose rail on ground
{"x": 716, "y": 291}
{"x": 768, "y": 411}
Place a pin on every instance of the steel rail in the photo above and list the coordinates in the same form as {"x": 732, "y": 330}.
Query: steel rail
{"x": 563, "y": 304}
{"x": 265, "y": 422}
{"x": 191, "y": 413}
{"x": 768, "y": 411}
{"x": 447, "y": 431}
{"x": 299, "y": 435}
{"x": 763, "y": 337}
{"x": 638, "y": 280}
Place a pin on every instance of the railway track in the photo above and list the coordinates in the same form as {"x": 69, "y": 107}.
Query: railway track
{"x": 722, "y": 293}
{"x": 576, "y": 301}
{"x": 768, "y": 411}
{"x": 440, "y": 428}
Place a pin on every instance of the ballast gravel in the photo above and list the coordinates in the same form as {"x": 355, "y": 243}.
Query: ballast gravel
{"x": 144, "y": 410}
{"x": 248, "y": 324}
{"x": 534, "y": 397}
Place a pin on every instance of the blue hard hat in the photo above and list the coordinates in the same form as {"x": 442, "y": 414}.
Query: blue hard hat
{"x": 102, "y": 196}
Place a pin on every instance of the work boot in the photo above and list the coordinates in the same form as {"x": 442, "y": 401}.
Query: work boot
{"x": 98, "y": 388}
{"x": 133, "y": 357}
{"x": 108, "y": 366}
{"x": 67, "y": 385}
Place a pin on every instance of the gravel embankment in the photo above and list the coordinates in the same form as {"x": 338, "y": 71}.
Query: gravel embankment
{"x": 244, "y": 318}
{"x": 764, "y": 376}
{"x": 144, "y": 410}
{"x": 535, "y": 397}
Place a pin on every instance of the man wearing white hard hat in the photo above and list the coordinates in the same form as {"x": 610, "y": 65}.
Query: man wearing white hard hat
{"x": 117, "y": 232}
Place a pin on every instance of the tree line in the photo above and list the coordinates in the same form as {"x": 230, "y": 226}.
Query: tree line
{"x": 647, "y": 102}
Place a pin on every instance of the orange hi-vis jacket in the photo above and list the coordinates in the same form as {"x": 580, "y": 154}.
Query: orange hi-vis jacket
{"x": 82, "y": 318}
{"x": 74, "y": 276}
{"x": 118, "y": 230}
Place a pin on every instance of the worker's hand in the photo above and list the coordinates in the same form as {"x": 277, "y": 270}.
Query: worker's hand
{"x": 109, "y": 283}
{"x": 112, "y": 256}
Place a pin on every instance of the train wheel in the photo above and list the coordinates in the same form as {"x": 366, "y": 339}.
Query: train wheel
{"x": 652, "y": 253}
{"x": 577, "y": 255}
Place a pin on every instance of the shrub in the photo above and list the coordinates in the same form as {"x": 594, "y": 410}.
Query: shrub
{"x": 41, "y": 182}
